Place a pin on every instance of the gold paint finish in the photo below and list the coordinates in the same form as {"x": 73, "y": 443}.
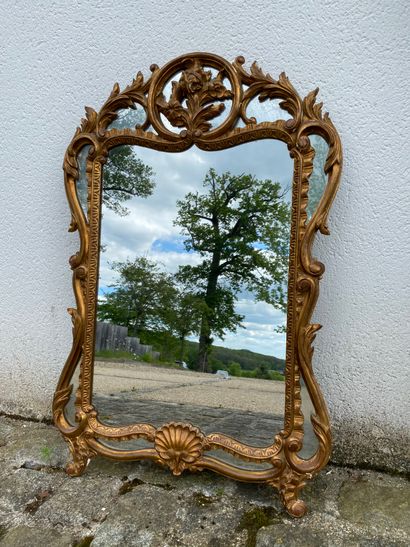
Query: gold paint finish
{"x": 198, "y": 97}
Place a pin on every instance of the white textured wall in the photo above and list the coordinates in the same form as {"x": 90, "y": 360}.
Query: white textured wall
{"x": 57, "y": 56}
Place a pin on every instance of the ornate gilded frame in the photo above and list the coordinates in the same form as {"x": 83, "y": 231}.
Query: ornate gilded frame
{"x": 181, "y": 445}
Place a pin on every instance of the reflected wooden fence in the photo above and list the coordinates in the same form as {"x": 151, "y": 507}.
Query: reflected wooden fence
{"x": 114, "y": 337}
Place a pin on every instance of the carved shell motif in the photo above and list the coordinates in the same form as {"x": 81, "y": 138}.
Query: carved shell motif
{"x": 178, "y": 446}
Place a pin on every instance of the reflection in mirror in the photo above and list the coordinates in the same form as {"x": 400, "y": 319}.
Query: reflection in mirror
{"x": 139, "y": 444}
{"x": 70, "y": 408}
{"x": 82, "y": 194}
{"x": 318, "y": 178}
{"x": 128, "y": 118}
{"x": 310, "y": 442}
{"x": 317, "y": 184}
{"x": 82, "y": 183}
{"x": 266, "y": 111}
{"x": 192, "y": 289}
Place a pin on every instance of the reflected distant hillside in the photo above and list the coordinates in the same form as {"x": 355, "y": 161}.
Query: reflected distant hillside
{"x": 248, "y": 360}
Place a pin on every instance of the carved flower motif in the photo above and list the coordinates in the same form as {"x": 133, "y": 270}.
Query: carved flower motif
{"x": 218, "y": 91}
{"x": 178, "y": 445}
{"x": 193, "y": 81}
{"x": 189, "y": 104}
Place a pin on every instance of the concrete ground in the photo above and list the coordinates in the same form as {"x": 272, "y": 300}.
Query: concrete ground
{"x": 140, "y": 504}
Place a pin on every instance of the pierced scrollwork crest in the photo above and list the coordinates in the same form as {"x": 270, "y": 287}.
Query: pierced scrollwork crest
{"x": 198, "y": 88}
{"x": 203, "y": 86}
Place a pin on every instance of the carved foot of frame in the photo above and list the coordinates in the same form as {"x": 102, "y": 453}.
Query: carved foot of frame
{"x": 77, "y": 466}
{"x": 289, "y": 483}
{"x": 295, "y": 507}
{"x": 80, "y": 455}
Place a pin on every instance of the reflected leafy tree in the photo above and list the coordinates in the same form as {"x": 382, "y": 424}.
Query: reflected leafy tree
{"x": 124, "y": 177}
{"x": 182, "y": 317}
{"x": 240, "y": 228}
{"x": 145, "y": 297}
{"x": 139, "y": 296}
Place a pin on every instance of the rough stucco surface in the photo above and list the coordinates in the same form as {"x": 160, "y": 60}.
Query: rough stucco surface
{"x": 68, "y": 54}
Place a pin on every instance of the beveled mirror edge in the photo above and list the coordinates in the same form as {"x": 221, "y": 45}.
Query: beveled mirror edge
{"x": 289, "y": 472}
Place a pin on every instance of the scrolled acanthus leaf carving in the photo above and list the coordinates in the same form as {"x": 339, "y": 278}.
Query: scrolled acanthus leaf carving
{"x": 81, "y": 454}
{"x": 179, "y": 446}
{"x": 265, "y": 87}
{"x": 199, "y": 88}
{"x": 289, "y": 482}
{"x": 60, "y": 400}
{"x": 132, "y": 95}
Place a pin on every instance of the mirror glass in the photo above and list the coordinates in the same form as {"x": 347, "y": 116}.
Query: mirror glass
{"x": 70, "y": 407}
{"x": 82, "y": 195}
{"x": 317, "y": 185}
{"x": 310, "y": 442}
{"x": 267, "y": 111}
{"x": 318, "y": 178}
{"x": 192, "y": 289}
{"x": 82, "y": 183}
{"x": 128, "y": 118}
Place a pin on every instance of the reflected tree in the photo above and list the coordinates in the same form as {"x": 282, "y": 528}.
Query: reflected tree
{"x": 146, "y": 298}
{"x": 182, "y": 317}
{"x": 124, "y": 177}
{"x": 240, "y": 228}
{"x": 139, "y": 296}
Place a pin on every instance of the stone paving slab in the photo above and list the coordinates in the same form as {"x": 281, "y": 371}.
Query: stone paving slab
{"x": 140, "y": 504}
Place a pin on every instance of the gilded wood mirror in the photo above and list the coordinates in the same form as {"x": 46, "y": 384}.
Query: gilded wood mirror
{"x": 197, "y": 194}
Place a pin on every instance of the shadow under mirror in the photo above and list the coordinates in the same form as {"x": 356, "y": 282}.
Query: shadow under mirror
{"x": 192, "y": 289}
